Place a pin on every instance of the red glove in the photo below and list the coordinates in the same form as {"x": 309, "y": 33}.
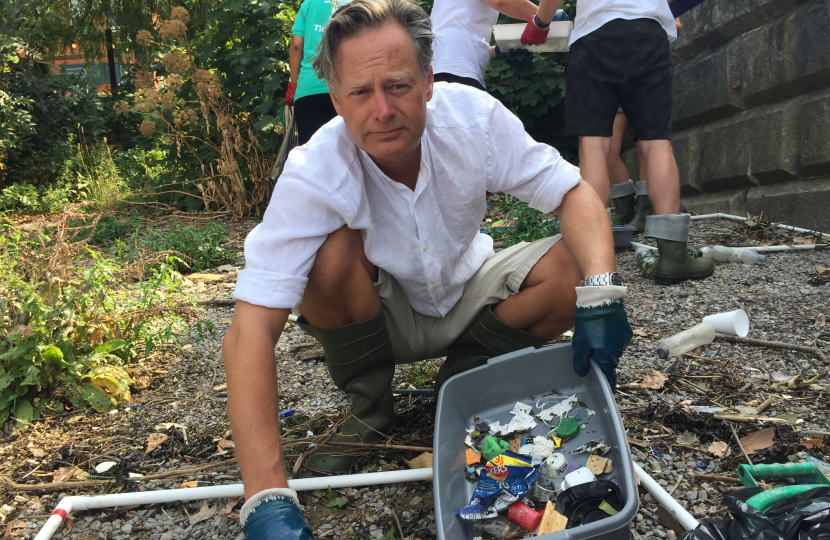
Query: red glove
{"x": 533, "y": 35}
{"x": 289, "y": 96}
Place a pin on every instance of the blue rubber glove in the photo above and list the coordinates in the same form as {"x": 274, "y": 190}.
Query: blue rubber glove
{"x": 601, "y": 331}
{"x": 274, "y": 514}
{"x": 560, "y": 15}
{"x": 513, "y": 54}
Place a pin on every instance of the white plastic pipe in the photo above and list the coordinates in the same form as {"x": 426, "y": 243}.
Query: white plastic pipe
{"x": 686, "y": 520}
{"x": 70, "y": 504}
{"x": 758, "y": 249}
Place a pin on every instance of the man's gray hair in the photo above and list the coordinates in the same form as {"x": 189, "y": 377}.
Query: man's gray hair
{"x": 360, "y": 15}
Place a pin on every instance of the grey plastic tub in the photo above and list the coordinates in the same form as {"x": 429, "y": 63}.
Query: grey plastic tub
{"x": 622, "y": 236}
{"x": 489, "y": 392}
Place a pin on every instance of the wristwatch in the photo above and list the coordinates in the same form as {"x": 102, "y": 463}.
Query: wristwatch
{"x": 608, "y": 278}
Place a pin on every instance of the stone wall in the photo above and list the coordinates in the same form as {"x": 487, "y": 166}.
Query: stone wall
{"x": 751, "y": 118}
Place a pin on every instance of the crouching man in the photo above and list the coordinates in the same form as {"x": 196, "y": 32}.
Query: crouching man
{"x": 373, "y": 233}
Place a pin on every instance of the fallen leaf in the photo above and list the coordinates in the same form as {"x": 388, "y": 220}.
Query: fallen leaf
{"x": 357, "y": 495}
{"x": 105, "y": 466}
{"x": 799, "y": 240}
{"x": 69, "y": 523}
{"x": 516, "y": 445}
{"x": 688, "y": 439}
{"x": 758, "y": 440}
{"x": 719, "y": 449}
{"x": 13, "y": 526}
{"x": 38, "y": 452}
{"x": 743, "y": 409}
{"x": 812, "y": 442}
{"x": 191, "y": 484}
{"x": 226, "y": 268}
{"x": 420, "y": 462}
{"x": 686, "y": 402}
{"x": 80, "y": 474}
{"x": 415, "y": 501}
{"x": 287, "y": 325}
{"x": 735, "y": 85}
{"x": 225, "y": 444}
{"x": 472, "y": 456}
{"x": 154, "y": 441}
{"x": 219, "y": 388}
{"x": 823, "y": 270}
{"x": 552, "y": 521}
{"x": 205, "y": 513}
{"x": 655, "y": 380}
{"x": 64, "y": 473}
{"x": 641, "y": 333}
{"x": 226, "y": 512}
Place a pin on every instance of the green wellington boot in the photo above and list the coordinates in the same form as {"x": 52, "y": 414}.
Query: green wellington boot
{"x": 675, "y": 265}
{"x": 487, "y": 337}
{"x": 360, "y": 361}
{"x": 644, "y": 208}
{"x": 623, "y": 198}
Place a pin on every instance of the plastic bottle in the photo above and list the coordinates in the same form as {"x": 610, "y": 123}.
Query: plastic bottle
{"x": 685, "y": 341}
{"x": 735, "y": 255}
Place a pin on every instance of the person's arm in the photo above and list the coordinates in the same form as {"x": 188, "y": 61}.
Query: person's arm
{"x": 547, "y": 9}
{"x": 586, "y": 230}
{"x": 253, "y": 399}
{"x": 518, "y": 9}
{"x": 295, "y": 56}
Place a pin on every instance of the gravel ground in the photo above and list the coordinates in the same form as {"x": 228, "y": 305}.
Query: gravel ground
{"x": 778, "y": 296}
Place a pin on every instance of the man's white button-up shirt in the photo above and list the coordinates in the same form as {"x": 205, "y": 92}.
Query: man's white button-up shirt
{"x": 427, "y": 239}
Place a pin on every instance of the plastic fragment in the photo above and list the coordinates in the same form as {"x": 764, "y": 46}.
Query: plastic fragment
{"x": 524, "y": 515}
{"x": 552, "y": 521}
{"x": 560, "y": 409}
{"x": 492, "y": 447}
{"x": 500, "y": 528}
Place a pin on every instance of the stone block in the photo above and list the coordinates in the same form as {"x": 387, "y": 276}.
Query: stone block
{"x": 755, "y": 147}
{"x": 815, "y": 135}
{"x": 787, "y": 57}
{"x": 803, "y": 203}
{"x": 686, "y": 147}
{"x": 702, "y": 90}
{"x": 726, "y": 202}
{"x": 718, "y": 21}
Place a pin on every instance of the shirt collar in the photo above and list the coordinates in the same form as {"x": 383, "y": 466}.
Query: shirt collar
{"x": 424, "y": 174}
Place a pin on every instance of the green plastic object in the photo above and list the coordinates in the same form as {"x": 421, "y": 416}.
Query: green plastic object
{"x": 492, "y": 447}
{"x": 749, "y": 474}
{"x": 567, "y": 428}
{"x": 766, "y": 500}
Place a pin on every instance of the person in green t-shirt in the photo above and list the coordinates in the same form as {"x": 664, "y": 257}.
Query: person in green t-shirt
{"x": 306, "y": 93}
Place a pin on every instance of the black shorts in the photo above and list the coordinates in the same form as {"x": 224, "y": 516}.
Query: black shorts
{"x": 311, "y": 113}
{"x": 624, "y": 63}
{"x": 450, "y": 78}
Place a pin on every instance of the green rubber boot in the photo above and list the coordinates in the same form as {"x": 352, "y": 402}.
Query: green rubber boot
{"x": 360, "y": 361}
{"x": 487, "y": 337}
{"x": 675, "y": 265}
{"x": 644, "y": 208}
{"x": 624, "y": 200}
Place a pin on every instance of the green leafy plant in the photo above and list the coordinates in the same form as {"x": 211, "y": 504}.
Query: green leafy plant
{"x": 71, "y": 325}
{"x": 338, "y": 502}
{"x": 19, "y": 196}
{"x": 199, "y": 246}
{"x": 525, "y": 224}
{"x": 390, "y": 535}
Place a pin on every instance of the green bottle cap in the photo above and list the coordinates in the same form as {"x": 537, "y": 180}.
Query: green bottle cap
{"x": 568, "y": 428}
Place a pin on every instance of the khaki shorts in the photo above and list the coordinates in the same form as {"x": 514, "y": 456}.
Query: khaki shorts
{"x": 417, "y": 337}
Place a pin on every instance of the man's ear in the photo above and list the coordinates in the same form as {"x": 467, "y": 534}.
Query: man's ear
{"x": 430, "y": 82}
{"x": 334, "y": 100}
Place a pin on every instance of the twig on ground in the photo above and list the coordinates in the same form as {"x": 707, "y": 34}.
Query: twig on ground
{"x": 676, "y": 484}
{"x": 774, "y": 345}
{"x": 215, "y": 302}
{"x": 716, "y": 478}
{"x": 738, "y": 440}
{"x": 310, "y": 451}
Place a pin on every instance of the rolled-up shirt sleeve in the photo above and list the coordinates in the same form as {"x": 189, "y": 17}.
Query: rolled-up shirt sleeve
{"x": 534, "y": 172}
{"x": 280, "y": 251}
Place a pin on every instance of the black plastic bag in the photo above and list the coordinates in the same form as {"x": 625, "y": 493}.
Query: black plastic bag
{"x": 805, "y": 516}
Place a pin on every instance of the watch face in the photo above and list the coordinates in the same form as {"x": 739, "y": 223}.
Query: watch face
{"x": 616, "y": 279}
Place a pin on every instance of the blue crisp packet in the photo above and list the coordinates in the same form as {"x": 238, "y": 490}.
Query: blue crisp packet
{"x": 500, "y": 485}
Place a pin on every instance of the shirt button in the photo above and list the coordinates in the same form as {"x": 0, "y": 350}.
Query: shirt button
{"x": 425, "y": 247}
{"x": 434, "y": 285}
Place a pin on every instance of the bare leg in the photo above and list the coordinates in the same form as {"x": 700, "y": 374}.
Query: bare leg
{"x": 617, "y": 173}
{"x": 340, "y": 286}
{"x": 593, "y": 166}
{"x": 661, "y": 171}
{"x": 545, "y": 304}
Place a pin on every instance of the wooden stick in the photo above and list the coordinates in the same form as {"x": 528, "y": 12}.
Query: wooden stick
{"x": 774, "y": 345}
{"x": 216, "y": 302}
{"x": 749, "y": 418}
{"x": 719, "y": 511}
{"x": 765, "y": 405}
{"x": 738, "y": 440}
{"x": 679, "y": 478}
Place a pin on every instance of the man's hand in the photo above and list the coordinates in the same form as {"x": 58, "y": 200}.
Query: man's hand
{"x": 602, "y": 330}
{"x": 274, "y": 513}
{"x": 289, "y": 95}
{"x": 535, "y": 32}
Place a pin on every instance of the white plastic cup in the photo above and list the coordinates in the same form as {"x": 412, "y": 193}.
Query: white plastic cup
{"x": 580, "y": 476}
{"x": 732, "y": 323}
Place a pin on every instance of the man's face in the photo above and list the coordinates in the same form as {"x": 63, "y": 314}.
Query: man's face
{"x": 382, "y": 94}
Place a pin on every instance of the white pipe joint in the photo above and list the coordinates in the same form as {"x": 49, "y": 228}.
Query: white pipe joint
{"x": 686, "y": 520}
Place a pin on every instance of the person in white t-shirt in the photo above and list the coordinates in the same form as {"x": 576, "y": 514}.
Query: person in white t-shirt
{"x": 463, "y": 29}
{"x": 373, "y": 233}
{"x": 619, "y": 57}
